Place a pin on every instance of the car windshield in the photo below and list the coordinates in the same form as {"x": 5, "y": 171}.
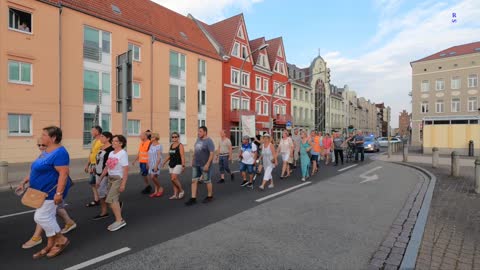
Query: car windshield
{"x": 369, "y": 139}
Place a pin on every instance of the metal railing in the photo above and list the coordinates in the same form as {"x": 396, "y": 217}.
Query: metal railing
{"x": 92, "y": 52}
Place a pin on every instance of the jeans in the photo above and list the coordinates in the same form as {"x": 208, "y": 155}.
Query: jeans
{"x": 338, "y": 153}
{"x": 223, "y": 164}
{"x": 359, "y": 150}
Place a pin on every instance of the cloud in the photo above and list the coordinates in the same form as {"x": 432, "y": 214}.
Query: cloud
{"x": 383, "y": 73}
{"x": 207, "y": 10}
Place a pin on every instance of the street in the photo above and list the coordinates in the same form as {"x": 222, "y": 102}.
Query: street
{"x": 336, "y": 220}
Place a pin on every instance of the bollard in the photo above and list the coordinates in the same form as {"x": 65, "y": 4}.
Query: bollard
{"x": 405, "y": 153}
{"x": 455, "y": 172}
{"x": 435, "y": 156}
{"x": 477, "y": 175}
{"x": 389, "y": 150}
{"x": 3, "y": 173}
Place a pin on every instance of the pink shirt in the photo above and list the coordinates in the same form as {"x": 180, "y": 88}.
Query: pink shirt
{"x": 327, "y": 143}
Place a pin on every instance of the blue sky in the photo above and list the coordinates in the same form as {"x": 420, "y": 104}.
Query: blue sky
{"x": 368, "y": 44}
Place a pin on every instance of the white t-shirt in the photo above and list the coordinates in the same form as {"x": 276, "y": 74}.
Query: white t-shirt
{"x": 116, "y": 162}
{"x": 248, "y": 154}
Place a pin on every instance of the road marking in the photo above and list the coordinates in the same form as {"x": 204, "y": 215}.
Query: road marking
{"x": 346, "y": 168}
{"x": 283, "y": 191}
{"x": 369, "y": 178}
{"x": 17, "y": 214}
{"x": 235, "y": 171}
{"x": 99, "y": 259}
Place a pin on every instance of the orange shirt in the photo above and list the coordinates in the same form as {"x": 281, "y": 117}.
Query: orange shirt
{"x": 143, "y": 151}
{"x": 316, "y": 144}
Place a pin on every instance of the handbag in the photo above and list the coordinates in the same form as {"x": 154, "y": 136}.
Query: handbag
{"x": 34, "y": 198}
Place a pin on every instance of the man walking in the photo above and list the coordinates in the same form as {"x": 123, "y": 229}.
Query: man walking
{"x": 224, "y": 156}
{"x": 359, "y": 149}
{"x": 248, "y": 155}
{"x": 92, "y": 162}
{"x": 338, "y": 148}
{"x": 203, "y": 153}
{"x": 142, "y": 158}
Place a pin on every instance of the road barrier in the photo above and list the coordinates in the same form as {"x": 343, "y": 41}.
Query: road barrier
{"x": 435, "y": 157}
{"x": 455, "y": 171}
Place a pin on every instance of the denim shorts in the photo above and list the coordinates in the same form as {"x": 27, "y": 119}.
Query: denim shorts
{"x": 199, "y": 175}
{"x": 143, "y": 169}
{"x": 246, "y": 168}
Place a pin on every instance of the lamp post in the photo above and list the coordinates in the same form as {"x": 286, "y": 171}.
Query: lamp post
{"x": 264, "y": 46}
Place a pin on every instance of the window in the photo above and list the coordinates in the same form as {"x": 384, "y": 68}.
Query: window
{"x": 424, "y": 107}
{"x": 472, "y": 104}
{"x": 302, "y": 115}
{"x": 440, "y": 84}
{"x": 280, "y": 53}
{"x": 311, "y": 97}
{"x": 202, "y": 66}
{"x": 136, "y": 90}
{"x": 177, "y": 96}
{"x": 301, "y": 95}
{"x": 265, "y": 85}
{"x": 133, "y": 127}
{"x": 19, "y": 72}
{"x": 182, "y": 126}
{"x": 425, "y": 86}
{"x": 135, "y": 50}
{"x": 106, "y": 83}
{"x": 106, "y": 120}
{"x": 295, "y": 115}
{"x": 306, "y": 96}
{"x": 245, "y": 104}
{"x": 105, "y": 42}
{"x": 295, "y": 93}
{"x": 258, "y": 83}
{"x": 19, "y": 20}
{"x": 92, "y": 45}
{"x": 91, "y": 87}
{"x": 283, "y": 109}
{"x": 19, "y": 124}
{"x": 202, "y": 99}
{"x": 265, "y": 108}
{"x": 245, "y": 79}
{"x": 235, "y": 77}
{"x": 455, "y": 82}
{"x": 236, "y": 49}
{"x": 240, "y": 33}
{"x": 244, "y": 52}
{"x": 263, "y": 60}
{"x": 258, "y": 107}
{"x": 178, "y": 125}
{"x": 177, "y": 65}
{"x": 439, "y": 108}
{"x": 276, "y": 109}
{"x": 455, "y": 104}
{"x": 472, "y": 80}
{"x": 235, "y": 105}
{"x": 88, "y": 123}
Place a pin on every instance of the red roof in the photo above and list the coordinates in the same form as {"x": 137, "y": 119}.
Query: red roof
{"x": 272, "y": 49}
{"x": 453, "y": 51}
{"x": 150, "y": 18}
{"x": 254, "y": 44}
{"x": 224, "y": 32}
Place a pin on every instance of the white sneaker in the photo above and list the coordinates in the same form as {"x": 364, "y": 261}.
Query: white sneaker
{"x": 261, "y": 187}
{"x": 303, "y": 179}
{"x": 117, "y": 226}
{"x": 270, "y": 186}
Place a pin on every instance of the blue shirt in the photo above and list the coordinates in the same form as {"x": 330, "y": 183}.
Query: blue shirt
{"x": 43, "y": 175}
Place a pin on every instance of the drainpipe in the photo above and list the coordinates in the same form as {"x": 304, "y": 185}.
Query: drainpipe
{"x": 151, "y": 83}
{"x": 60, "y": 64}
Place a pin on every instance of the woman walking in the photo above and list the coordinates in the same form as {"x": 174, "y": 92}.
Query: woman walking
{"x": 269, "y": 157}
{"x": 327, "y": 148}
{"x": 117, "y": 169}
{"x": 49, "y": 173}
{"x": 176, "y": 164}
{"x": 286, "y": 150}
{"x": 102, "y": 157}
{"x": 305, "y": 146}
{"x": 36, "y": 238}
{"x": 154, "y": 161}
{"x": 315, "y": 151}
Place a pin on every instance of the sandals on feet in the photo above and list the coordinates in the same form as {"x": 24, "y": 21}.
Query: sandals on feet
{"x": 57, "y": 249}
{"x": 42, "y": 253}
{"x": 174, "y": 197}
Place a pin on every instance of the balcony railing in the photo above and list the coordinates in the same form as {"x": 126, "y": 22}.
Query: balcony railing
{"x": 175, "y": 103}
{"x": 92, "y": 52}
{"x": 91, "y": 96}
{"x": 177, "y": 72}
{"x": 235, "y": 114}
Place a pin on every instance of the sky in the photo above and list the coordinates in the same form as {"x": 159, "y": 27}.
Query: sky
{"x": 367, "y": 44}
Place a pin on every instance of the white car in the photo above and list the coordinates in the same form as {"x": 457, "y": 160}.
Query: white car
{"x": 383, "y": 141}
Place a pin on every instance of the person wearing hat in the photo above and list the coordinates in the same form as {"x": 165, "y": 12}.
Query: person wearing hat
{"x": 269, "y": 157}
{"x": 248, "y": 155}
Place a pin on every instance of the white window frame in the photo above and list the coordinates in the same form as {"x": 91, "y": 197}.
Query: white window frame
{"x": 258, "y": 83}
{"x": 133, "y": 132}
{"x": 280, "y": 52}
{"x": 472, "y": 80}
{"x": 139, "y": 90}
{"x": 455, "y": 82}
{"x": 232, "y": 103}
{"x": 20, "y": 64}
{"x": 472, "y": 104}
{"x": 424, "y": 107}
{"x": 425, "y": 86}
{"x": 246, "y": 104}
{"x": 283, "y": 110}
{"x": 265, "y": 85}
{"x": 246, "y": 54}
{"x": 18, "y": 30}
{"x": 438, "y": 83}
{"x": 241, "y": 33}
{"x": 135, "y": 46}
{"x": 276, "y": 109}
{"x": 235, "y": 74}
{"x": 258, "y": 107}
{"x": 439, "y": 105}
{"x": 245, "y": 79}
{"x": 236, "y": 49}
{"x": 19, "y": 134}
{"x": 295, "y": 93}
{"x": 265, "y": 108}
{"x": 455, "y": 105}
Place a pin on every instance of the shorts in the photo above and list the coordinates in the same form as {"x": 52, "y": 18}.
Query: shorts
{"x": 176, "y": 170}
{"x": 102, "y": 189}
{"x": 199, "y": 175}
{"x": 285, "y": 157}
{"x": 113, "y": 193}
{"x": 268, "y": 173}
{"x": 246, "y": 168}
{"x": 151, "y": 172}
{"x": 314, "y": 158}
{"x": 143, "y": 169}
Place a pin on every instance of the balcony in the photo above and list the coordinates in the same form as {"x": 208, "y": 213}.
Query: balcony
{"x": 91, "y": 96}
{"x": 175, "y": 104}
{"x": 92, "y": 52}
{"x": 177, "y": 72}
{"x": 235, "y": 114}
{"x": 282, "y": 119}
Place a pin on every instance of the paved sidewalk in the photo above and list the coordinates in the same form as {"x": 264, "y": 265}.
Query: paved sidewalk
{"x": 427, "y": 159}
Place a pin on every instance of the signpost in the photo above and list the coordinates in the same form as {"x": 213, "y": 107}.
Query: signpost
{"x": 124, "y": 87}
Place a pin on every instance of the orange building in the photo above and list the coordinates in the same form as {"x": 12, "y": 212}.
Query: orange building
{"x": 58, "y": 67}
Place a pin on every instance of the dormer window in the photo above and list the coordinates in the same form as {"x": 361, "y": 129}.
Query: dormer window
{"x": 240, "y": 33}
{"x": 280, "y": 53}
{"x": 236, "y": 49}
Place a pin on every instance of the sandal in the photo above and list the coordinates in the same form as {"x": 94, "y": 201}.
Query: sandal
{"x": 57, "y": 249}
{"x": 174, "y": 197}
{"x": 181, "y": 194}
{"x": 42, "y": 253}
{"x": 92, "y": 204}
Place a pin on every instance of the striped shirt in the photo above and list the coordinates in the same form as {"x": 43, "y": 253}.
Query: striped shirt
{"x": 153, "y": 157}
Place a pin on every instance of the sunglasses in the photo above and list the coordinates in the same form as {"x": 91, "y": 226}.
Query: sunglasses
{"x": 41, "y": 145}
{"x": 174, "y": 137}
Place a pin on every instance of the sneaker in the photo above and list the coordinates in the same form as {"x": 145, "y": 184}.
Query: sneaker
{"x": 207, "y": 199}
{"x": 68, "y": 228}
{"x": 115, "y": 226}
{"x": 303, "y": 179}
{"x": 249, "y": 185}
{"x": 261, "y": 188}
{"x": 232, "y": 176}
{"x": 221, "y": 181}
{"x": 244, "y": 183}
{"x": 191, "y": 202}
{"x": 147, "y": 190}
{"x": 34, "y": 241}
{"x": 270, "y": 186}
{"x": 98, "y": 217}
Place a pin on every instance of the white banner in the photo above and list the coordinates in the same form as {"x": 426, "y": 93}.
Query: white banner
{"x": 248, "y": 125}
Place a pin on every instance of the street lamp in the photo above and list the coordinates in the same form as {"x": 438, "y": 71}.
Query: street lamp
{"x": 264, "y": 46}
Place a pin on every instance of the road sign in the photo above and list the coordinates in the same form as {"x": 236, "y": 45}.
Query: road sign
{"x": 289, "y": 125}
{"x": 124, "y": 69}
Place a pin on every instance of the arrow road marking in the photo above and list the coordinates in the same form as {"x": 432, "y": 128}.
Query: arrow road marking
{"x": 367, "y": 177}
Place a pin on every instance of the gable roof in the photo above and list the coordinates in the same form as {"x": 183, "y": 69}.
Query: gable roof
{"x": 254, "y": 44}
{"x": 149, "y": 18}
{"x": 468, "y": 48}
{"x": 224, "y": 32}
{"x": 274, "y": 45}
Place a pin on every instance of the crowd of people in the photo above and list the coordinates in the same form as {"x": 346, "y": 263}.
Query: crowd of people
{"x": 108, "y": 169}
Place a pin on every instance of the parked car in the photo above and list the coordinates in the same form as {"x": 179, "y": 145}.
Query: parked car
{"x": 383, "y": 141}
{"x": 371, "y": 145}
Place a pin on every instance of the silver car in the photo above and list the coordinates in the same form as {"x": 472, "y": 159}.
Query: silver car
{"x": 383, "y": 141}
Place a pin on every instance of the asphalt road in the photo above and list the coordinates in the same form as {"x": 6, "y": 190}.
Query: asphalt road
{"x": 150, "y": 221}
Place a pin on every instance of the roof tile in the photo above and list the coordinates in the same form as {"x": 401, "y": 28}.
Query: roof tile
{"x": 453, "y": 51}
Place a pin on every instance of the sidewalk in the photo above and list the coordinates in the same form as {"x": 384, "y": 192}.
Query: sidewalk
{"x": 427, "y": 159}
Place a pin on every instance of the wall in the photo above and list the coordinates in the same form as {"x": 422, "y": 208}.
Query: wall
{"x": 450, "y": 138}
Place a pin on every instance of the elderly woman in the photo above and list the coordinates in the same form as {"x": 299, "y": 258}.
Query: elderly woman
{"x": 154, "y": 161}
{"x": 286, "y": 150}
{"x": 49, "y": 173}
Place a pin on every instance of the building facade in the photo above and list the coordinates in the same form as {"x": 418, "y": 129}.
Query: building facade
{"x": 319, "y": 76}
{"x": 303, "y": 101}
{"x": 404, "y": 124}
{"x": 336, "y": 110}
{"x": 445, "y": 93}
{"x": 72, "y": 84}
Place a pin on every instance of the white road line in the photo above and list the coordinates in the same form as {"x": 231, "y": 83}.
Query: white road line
{"x": 346, "y": 168}
{"x": 235, "y": 171}
{"x": 99, "y": 259}
{"x": 17, "y": 214}
{"x": 283, "y": 191}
